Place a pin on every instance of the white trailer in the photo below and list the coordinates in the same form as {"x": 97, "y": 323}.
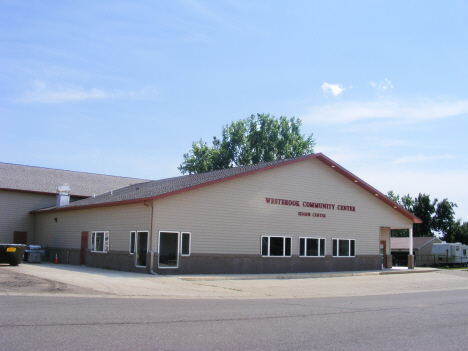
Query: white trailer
{"x": 451, "y": 254}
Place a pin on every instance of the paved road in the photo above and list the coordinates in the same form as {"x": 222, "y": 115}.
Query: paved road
{"x": 425, "y": 321}
{"x": 109, "y": 310}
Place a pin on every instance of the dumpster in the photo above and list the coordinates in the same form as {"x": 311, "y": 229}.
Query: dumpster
{"x": 11, "y": 253}
{"x": 33, "y": 253}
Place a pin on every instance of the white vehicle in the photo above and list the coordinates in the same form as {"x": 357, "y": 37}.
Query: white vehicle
{"x": 451, "y": 253}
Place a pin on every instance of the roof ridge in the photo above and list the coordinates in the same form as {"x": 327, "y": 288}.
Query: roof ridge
{"x": 66, "y": 170}
{"x": 262, "y": 164}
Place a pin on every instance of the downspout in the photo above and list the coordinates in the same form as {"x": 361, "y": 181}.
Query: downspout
{"x": 151, "y": 238}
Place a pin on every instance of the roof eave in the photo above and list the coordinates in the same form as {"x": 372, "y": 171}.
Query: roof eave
{"x": 40, "y": 192}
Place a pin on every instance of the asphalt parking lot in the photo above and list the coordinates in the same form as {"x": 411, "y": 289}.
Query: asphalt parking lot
{"x": 49, "y": 279}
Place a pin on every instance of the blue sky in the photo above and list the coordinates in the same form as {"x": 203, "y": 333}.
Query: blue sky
{"x": 125, "y": 87}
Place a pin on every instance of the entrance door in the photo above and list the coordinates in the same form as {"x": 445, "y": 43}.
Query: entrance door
{"x": 141, "y": 249}
{"x": 168, "y": 250}
{"x": 20, "y": 238}
{"x": 84, "y": 246}
{"x": 383, "y": 252}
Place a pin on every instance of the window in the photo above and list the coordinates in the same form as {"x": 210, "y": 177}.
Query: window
{"x": 185, "y": 244}
{"x": 343, "y": 247}
{"x": 99, "y": 241}
{"x": 131, "y": 249}
{"x": 312, "y": 247}
{"x": 276, "y": 246}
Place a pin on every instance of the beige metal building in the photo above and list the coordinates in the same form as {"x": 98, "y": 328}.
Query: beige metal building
{"x": 422, "y": 251}
{"x": 304, "y": 214}
{"x": 25, "y": 188}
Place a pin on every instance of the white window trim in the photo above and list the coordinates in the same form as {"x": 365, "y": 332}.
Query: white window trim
{"x": 105, "y": 246}
{"x": 190, "y": 243}
{"x": 134, "y": 243}
{"x": 284, "y": 245}
{"x": 338, "y": 247}
{"x": 311, "y": 237}
{"x": 178, "y": 247}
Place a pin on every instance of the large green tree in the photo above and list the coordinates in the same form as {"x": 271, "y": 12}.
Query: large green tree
{"x": 457, "y": 232}
{"x": 258, "y": 138}
{"x": 437, "y": 217}
{"x": 424, "y": 209}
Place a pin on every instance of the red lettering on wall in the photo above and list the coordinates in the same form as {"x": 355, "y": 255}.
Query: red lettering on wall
{"x": 283, "y": 202}
{"x": 321, "y": 215}
{"x": 309, "y": 204}
{"x": 346, "y": 208}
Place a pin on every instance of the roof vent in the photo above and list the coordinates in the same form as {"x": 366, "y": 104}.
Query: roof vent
{"x": 63, "y": 195}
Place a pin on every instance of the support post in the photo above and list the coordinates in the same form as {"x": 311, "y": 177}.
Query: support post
{"x": 389, "y": 261}
{"x": 410, "y": 254}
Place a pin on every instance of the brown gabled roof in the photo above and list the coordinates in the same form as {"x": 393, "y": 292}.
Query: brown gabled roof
{"x": 397, "y": 243}
{"x": 152, "y": 190}
{"x": 46, "y": 180}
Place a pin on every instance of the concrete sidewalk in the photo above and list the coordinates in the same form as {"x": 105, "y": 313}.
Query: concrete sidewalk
{"x": 91, "y": 282}
{"x": 397, "y": 270}
{"x": 58, "y": 270}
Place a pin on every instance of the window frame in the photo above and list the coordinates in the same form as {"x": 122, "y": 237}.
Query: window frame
{"x": 105, "y": 244}
{"x": 351, "y": 247}
{"x": 320, "y": 253}
{"x": 132, "y": 242}
{"x": 182, "y": 244}
{"x": 269, "y": 245}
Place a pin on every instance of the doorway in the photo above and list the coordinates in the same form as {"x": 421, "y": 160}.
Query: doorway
{"x": 383, "y": 253}
{"x": 141, "y": 249}
{"x": 84, "y": 246}
{"x": 20, "y": 238}
{"x": 168, "y": 250}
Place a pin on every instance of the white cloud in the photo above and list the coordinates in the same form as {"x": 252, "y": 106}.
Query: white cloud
{"x": 353, "y": 111}
{"x": 382, "y": 85}
{"x": 343, "y": 153}
{"x": 42, "y": 93}
{"x": 335, "y": 89}
{"x": 422, "y": 158}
